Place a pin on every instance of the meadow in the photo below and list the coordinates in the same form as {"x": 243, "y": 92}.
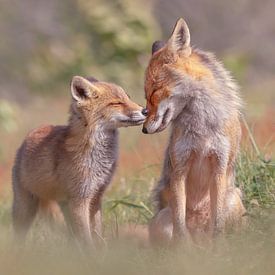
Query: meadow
{"x": 47, "y": 42}
{"x": 128, "y": 209}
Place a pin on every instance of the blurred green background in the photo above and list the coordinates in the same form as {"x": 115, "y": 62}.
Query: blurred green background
{"x": 44, "y": 43}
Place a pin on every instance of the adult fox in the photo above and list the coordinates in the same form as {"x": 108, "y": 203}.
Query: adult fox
{"x": 192, "y": 91}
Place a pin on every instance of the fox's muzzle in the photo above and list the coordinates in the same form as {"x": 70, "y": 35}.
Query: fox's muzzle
{"x": 144, "y": 130}
{"x": 145, "y": 112}
{"x": 159, "y": 120}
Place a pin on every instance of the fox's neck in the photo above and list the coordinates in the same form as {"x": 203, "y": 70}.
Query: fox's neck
{"x": 85, "y": 137}
{"x": 201, "y": 114}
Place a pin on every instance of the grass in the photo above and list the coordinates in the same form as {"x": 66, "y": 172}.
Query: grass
{"x": 48, "y": 251}
{"x": 247, "y": 253}
{"x": 255, "y": 176}
{"x": 250, "y": 252}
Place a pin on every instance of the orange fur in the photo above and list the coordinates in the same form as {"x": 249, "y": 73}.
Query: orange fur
{"x": 193, "y": 67}
{"x": 196, "y": 193}
{"x": 73, "y": 163}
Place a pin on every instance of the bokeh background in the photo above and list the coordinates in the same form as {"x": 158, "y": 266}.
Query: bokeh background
{"x": 44, "y": 43}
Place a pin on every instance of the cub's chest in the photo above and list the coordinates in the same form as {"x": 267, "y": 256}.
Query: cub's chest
{"x": 103, "y": 159}
{"x": 104, "y": 155}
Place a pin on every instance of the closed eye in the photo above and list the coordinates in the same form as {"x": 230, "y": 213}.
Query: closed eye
{"x": 155, "y": 90}
{"x": 115, "y": 103}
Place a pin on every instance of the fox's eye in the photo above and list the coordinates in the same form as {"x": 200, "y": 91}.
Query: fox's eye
{"x": 115, "y": 103}
{"x": 153, "y": 93}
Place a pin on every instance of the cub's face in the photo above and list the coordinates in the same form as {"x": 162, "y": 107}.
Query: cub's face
{"x": 105, "y": 103}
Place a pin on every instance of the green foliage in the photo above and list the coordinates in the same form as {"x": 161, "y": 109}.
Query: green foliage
{"x": 7, "y": 116}
{"x": 255, "y": 177}
{"x": 237, "y": 64}
{"x": 106, "y": 39}
{"x": 7, "y": 120}
{"x": 128, "y": 202}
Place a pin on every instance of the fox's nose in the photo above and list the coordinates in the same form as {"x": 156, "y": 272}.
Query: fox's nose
{"x": 144, "y": 130}
{"x": 144, "y": 111}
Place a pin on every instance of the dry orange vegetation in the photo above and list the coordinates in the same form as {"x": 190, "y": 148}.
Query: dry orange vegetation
{"x": 263, "y": 130}
{"x": 140, "y": 162}
{"x": 138, "y": 153}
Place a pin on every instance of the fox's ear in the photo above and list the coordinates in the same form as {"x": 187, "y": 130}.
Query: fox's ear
{"x": 157, "y": 45}
{"x": 179, "y": 42}
{"x": 82, "y": 89}
{"x": 91, "y": 79}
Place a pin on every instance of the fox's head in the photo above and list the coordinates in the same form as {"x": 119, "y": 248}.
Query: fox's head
{"x": 170, "y": 63}
{"x": 105, "y": 103}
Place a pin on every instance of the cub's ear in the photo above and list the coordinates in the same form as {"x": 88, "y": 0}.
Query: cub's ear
{"x": 82, "y": 89}
{"x": 91, "y": 79}
{"x": 179, "y": 42}
{"x": 157, "y": 45}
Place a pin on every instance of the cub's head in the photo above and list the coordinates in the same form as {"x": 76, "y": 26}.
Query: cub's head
{"x": 105, "y": 103}
{"x": 170, "y": 62}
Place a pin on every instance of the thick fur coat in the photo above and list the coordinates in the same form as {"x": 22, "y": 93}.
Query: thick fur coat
{"x": 191, "y": 91}
{"x": 74, "y": 163}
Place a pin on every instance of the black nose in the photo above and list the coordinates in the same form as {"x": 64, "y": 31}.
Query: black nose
{"x": 144, "y": 111}
{"x": 144, "y": 130}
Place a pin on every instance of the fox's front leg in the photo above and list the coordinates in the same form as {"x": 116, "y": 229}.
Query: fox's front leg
{"x": 96, "y": 216}
{"x": 180, "y": 167}
{"x": 80, "y": 219}
{"x": 178, "y": 199}
{"x": 218, "y": 189}
{"x": 96, "y": 219}
{"x": 178, "y": 205}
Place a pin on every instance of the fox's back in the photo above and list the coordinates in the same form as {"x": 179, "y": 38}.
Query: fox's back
{"x": 37, "y": 157}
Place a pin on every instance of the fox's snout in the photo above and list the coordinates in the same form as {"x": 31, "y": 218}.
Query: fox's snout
{"x": 145, "y": 112}
{"x": 132, "y": 114}
{"x": 144, "y": 130}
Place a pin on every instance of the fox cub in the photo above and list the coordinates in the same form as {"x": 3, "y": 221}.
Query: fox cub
{"x": 191, "y": 91}
{"x": 74, "y": 163}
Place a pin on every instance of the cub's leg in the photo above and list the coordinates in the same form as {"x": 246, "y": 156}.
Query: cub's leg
{"x": 96, "y": 216}
{"x": 80, "y": 221}
{"x": 24, "y": 209}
